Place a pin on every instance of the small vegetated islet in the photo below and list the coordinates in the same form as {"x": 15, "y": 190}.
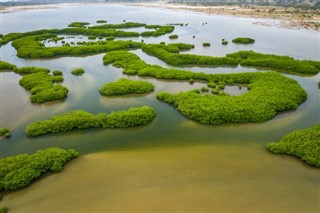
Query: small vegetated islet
{"x": 303, "y": 144}
{"x": 206, "y": 44}
{"x": 78, "y": 71}
{"x": 101, "y": 21}
{"x": 5, "y": 132}
{"x": 17, "y": 172}
{"x": 125, "y": 86}
{"x": 243, "y": 40}
{"x": 80, "y": 119}
{"x": 174, "y": 36}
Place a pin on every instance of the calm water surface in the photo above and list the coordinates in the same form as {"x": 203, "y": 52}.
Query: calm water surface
{"x": 173, "y": 164}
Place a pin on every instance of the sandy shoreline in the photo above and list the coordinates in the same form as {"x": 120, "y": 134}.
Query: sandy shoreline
{"x": 290, "y": 18}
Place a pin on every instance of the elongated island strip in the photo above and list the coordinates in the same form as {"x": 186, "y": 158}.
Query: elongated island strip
{"x": 170, "y": 54}
{"x": 243, "y": 40}
{"x": 125, "y": 86}
{"x": 80, "y": 119}
{"x": 269, "y": 92}
{"x": 303, "y": 144}
{"x": 17, "y": 172}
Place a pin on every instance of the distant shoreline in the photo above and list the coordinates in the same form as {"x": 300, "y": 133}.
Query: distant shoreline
{"x": 289, "y": 18}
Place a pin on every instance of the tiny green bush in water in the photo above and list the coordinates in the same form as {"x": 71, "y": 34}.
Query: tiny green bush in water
{"x": 19, "y": 171}
{"x": 206, "y": 44}
{"x": 125, "y": 86}
{"x": 80, "y": 119}
{"x": 173, "y": 36}
{"x": 78, "y": 71}
{"x": 303, "y": 144}
{"x": 241, "y": 40}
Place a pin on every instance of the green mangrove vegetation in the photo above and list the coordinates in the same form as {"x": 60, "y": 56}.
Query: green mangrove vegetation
{"x": 57, "y": 72}
{"x": 30, "y": 70}
{"x": 80, "y": 119}
{"x": 269, "y": 92}
{"x": 303, "y": 144}
{"x": 3, "y": 210}
{"x": 7, "y": 66}
{"x": 206, "y": 44}
{"x": 78, "y": 24}
{"x": 170, "y": 54}
{"x": 283, "y": 63}
{"x": 101, "y": 21}
{"x": 125, "y": 86}
{"x": 162, "y": 30}
{"x": 17, "y": 172}
{"x": 42, "y": 87}
{"x": 243, "y": 40}
{"x": 30, "y": 47}
{"x": 5, "y": 132}
{"x": 78, "y": 71}
{"x": 118, "y": 26}
{"x": 174, "y": 36}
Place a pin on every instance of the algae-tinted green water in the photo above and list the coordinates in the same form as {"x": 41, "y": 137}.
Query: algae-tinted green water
{"x": 173, "y": 164}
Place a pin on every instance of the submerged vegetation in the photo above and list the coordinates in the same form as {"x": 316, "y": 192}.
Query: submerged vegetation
{"x": 303, "y": 144}
{"x": 80, "y": 119}
{"x": 269, "y": 92}
{"x": 125, "y": 86}
{"x": 242, "y": 40}
{"x": 17, "y": 172}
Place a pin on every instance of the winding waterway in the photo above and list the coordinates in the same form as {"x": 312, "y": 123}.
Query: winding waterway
{"x": 173, "y": 164}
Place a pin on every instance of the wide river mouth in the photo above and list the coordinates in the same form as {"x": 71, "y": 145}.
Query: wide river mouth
{"x": 173, "y": 164}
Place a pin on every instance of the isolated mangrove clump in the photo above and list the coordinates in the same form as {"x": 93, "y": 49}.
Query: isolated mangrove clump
{"x": 80, "y": 119}
{"x": 17, "y": 172}
{"x": 78, "y": 71}
{"x": 125, "y": 86}
{"x": 243, "y": 40}
{"x": 303, "y": 144}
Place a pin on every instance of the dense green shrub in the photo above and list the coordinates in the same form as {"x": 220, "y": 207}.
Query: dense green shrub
{"x": 78, "y": 71}
{"x": 92, "y": 37}
{"x": 110, "y": 38}
{"x": 7, "y": 66}
{"x": 101, "y": 21}
{"x": 80, "y": 119}
{"x": 204, "y": 89}
{"x": 19, "y": 171}
{"x": 242, "y": 40}
{"x": 57, "y": 72}
{"x": 206, "y": 44}
{"x": 42, "y": 87}
{"x": 30, "y": 47}
{"x": 269, "y": 92}
{"x": 304, "y": 144}
{"x": 169, "y": 54}
{"x": 78, "y": 24}
{"x": 4, "y": 132}
{"x": 162, "y": 30}
{"x": 174, "y": 36}
{"x": 224, "y": 42}
{"x": 125, "y": 86}
{"x": 283, "y": 63}
{"x": 118, "y": 26}
{"x": 30, "y": 70}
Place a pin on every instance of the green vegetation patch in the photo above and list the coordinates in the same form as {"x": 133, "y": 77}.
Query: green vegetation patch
{"x": 17, "y": 172}
{"x": 269, "y": 92}
{"x": 101, "y": 21}
{"x": 162, "y": 30}
{"x": 31, "y": 47}
{"x": 30, "y": 70}
{"x": 125, "y": 86}
{"x": 78, "y": 71}
{"x": 78, "y": 24}
{"x": 303, "y": 144}
{"x": 243, "y": 40}
{"x": 4, "y": 132}
{"x": 118, "y": 26}
{"x": 170, "y": 54}
{"x": 283, "y": 63}
{"x": 42, "y": 87}
{"x": 80, "y": 119}
{"x": 174, "y": 36}
{"x": 206, "y": 44}
{"x": 7, "y": 66}
{"x": 3, "y": 210}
